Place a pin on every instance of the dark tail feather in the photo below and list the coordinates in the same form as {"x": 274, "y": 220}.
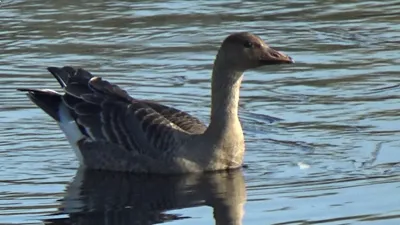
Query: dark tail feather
{"x": 67, "y": 75}
{"x": 60, "y": 74}
{"x": 48, "y": 101}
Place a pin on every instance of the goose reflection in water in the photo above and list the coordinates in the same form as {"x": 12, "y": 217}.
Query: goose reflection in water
{"x": 98, "y": 197}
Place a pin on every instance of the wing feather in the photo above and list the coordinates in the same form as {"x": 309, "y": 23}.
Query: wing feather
{"x": 108, "y": 114}
{"x": 107, "y": 121}
{"x": 92, "y": 126}
{"x": 182, "y": 119}
{"x": 86, "y": 108}
{"x": 70, "y": 101}
{"x": 77, "y": 89}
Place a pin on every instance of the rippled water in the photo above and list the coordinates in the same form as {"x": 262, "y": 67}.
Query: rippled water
{"x": 332, "y": 159}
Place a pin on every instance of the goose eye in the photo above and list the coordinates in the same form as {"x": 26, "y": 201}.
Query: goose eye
{"x": 248, "y": 44}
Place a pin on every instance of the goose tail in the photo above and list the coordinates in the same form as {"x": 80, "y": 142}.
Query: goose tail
{"x": 48, "y": 100}
{"x": 51, "y": 102}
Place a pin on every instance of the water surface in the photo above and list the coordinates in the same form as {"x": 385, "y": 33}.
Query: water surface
{"x": 332, "y": 159}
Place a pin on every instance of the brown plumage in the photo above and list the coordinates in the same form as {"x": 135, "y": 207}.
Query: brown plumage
{"x": 111, "y": 130}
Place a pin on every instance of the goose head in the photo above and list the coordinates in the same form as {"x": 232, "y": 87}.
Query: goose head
{"x": 243, "y": 51}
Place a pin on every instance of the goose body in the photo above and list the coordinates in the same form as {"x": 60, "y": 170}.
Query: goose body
{"x": 110, "y": 130}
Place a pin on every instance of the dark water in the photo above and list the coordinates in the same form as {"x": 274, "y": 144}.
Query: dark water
{"x": 333, "y": 159}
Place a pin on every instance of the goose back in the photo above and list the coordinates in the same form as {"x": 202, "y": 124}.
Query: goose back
{"x": 105, "y": 112}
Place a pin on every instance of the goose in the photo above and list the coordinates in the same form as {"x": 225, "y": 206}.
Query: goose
{"x": 110, "y": 130}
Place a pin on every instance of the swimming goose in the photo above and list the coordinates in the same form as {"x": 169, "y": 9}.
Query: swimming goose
{"x": 110, "y": 130}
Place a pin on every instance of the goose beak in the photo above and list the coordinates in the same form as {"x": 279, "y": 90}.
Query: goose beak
{"x": 271, "y": 56}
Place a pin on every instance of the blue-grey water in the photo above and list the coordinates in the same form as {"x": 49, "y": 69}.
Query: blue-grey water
{"x": 334, "y": 158}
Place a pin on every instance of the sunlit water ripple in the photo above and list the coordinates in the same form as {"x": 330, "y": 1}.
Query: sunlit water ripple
{"x": 333, "y": 158}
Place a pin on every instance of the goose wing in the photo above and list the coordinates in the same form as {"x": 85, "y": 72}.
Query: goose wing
{"x": 180, "y": 118}
{"x": 105, "y": 112}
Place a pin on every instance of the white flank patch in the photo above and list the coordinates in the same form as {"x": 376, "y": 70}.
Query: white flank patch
{"x": 71, "y": 130}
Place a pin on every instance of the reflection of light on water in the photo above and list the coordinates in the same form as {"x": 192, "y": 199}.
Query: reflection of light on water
{"x": 303, "y": 166}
